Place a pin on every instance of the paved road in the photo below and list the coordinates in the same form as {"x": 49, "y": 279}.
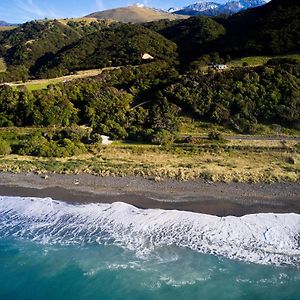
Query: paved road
{"x": 254, "y": 138}
{"x": 262, "y": 138}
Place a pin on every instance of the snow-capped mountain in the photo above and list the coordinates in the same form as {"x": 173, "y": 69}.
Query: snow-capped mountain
{"x": 3, "y": 23}
{"x": 203, "y": 6}
{"x": 173, "y": 9}
{"x": 214, "y": 9}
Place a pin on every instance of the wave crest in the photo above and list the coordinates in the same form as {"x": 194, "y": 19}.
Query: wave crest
{"x": 261, "y": 238}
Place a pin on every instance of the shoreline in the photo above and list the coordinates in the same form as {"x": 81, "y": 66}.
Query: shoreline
{"x": 221, "y": 199}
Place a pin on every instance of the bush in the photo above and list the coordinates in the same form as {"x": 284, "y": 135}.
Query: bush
{"x": 215, "y": 136}
{"x": 96, "y": 138}
{"x": 37, "y": 145}
{"x": 163, "y": 137}
{"x": 4, "y": 148}
{"x": 193, "y": 140}
{"x": 71, "y": 149}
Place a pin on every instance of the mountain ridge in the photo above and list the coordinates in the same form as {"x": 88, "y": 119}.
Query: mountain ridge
{"x": 134, "y": 14}
{"x": 213, "y": 9}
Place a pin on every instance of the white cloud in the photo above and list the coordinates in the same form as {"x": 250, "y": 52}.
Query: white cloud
{"x": 29, "y": 7}
{"x": 100, "y": 5}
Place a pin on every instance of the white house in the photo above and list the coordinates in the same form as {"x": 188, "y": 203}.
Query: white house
{"x": 105, "y": 140}
{"x": 218, "y": 66}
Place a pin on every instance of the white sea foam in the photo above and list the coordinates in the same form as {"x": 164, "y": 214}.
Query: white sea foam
{"x": 261, "y": 238}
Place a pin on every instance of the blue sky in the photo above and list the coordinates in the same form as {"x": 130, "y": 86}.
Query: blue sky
{"x": 18, "y": 11}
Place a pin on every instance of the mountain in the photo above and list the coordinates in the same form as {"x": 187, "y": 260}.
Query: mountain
{"x": 200, "y": 8}
{"x": 215, "y": 9}
{"x": 173, "y": 9}
{"x": 3, "y": 24}
{"x": 134, "y": 14}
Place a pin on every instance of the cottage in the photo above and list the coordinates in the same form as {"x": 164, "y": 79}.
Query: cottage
{"x": 218, "y": 66}
{"x": 105, "y": 140}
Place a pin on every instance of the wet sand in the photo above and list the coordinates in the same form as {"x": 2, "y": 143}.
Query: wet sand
{"x": 220, "y": 199}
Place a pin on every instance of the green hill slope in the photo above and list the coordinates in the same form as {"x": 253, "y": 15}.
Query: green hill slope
{"x": 271, "y": 29}
{"x": 193, "y": 36}
{"x": 119, "y": 45}
{"x": 267, "y": 30}
{"x": 29, "y": 45}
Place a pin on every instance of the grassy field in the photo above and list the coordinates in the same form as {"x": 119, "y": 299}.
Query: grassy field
{"x": 2, "y": 65}
{"x": 6, "y": 28}
{"x": 179, "y": 163}
{"x": 238, "y": 161}
{"x": 40, "y": 84}
{"x": 78, "y": 20}
{"x": 258, "y": 60}
{"x": 190, "y": 127}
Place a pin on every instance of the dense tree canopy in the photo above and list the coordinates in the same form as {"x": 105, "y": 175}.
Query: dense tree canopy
{"x": 137, "y": 102}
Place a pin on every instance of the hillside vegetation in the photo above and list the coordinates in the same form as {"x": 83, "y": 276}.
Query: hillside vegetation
{"x": 29, "y": 46}
{"x": 240, "y": 99}
{"x": 272, "y": 29}
{"x": 119, "y": 45}
{"x": 59, "y": 47}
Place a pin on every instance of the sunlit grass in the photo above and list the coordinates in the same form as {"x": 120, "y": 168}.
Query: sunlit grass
{"x": 6, "y": 28}
{"x": 2, "y": 65}
{"x": 182, "y": 163}
{"x": 258, "y": 60}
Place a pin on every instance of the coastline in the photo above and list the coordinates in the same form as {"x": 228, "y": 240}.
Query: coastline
{"x": 221, "y": 199}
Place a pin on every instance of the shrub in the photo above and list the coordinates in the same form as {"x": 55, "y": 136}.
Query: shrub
{"x": 215, "y": 136}
{"x": 163, "y": 137}
{"x": 4, "y": 148}
{"x": 96, "y": 138}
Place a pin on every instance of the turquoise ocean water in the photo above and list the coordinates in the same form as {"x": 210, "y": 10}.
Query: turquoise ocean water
{"x": 34, "y": 266}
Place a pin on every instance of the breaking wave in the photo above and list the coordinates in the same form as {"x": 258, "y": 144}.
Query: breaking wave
{"x": 260, "y": 238}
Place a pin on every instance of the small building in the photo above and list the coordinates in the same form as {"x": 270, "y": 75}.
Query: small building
{"x": 147, "y": 56}
{"x": 105, "y": 140}
{"x": 218, "y": 66}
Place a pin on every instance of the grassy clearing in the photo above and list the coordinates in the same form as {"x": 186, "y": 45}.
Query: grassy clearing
{"x": 40, "y": 84}
{"x": 258, "y": 60}
{"x": 190, "y": 127}
{"x": 239, "y": 160}
{"x": 6, "y": 28}
{"x": 2, "y": 65}
{"x": 176, "y": 162}
{"x": 78, "y": 20}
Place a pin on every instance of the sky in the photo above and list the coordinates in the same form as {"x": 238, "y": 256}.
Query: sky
{"x": 19, "y": 11}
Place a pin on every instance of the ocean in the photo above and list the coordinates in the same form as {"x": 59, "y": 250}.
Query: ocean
{"x": 53, "y": 250}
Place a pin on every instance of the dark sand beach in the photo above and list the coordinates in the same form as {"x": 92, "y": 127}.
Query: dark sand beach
{"x": 220, "y": 199}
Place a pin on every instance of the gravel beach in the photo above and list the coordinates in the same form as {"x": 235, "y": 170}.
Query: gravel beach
{"x": 221, "y": 199}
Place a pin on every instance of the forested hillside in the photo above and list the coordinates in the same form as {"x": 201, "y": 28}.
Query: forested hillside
{"x": 240, "y": 99}
{"x": 54, "y": 48}
{"x": 119, "y": 45}
{"x": 31, "y": 45}
{"x": 268, "y": 30}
